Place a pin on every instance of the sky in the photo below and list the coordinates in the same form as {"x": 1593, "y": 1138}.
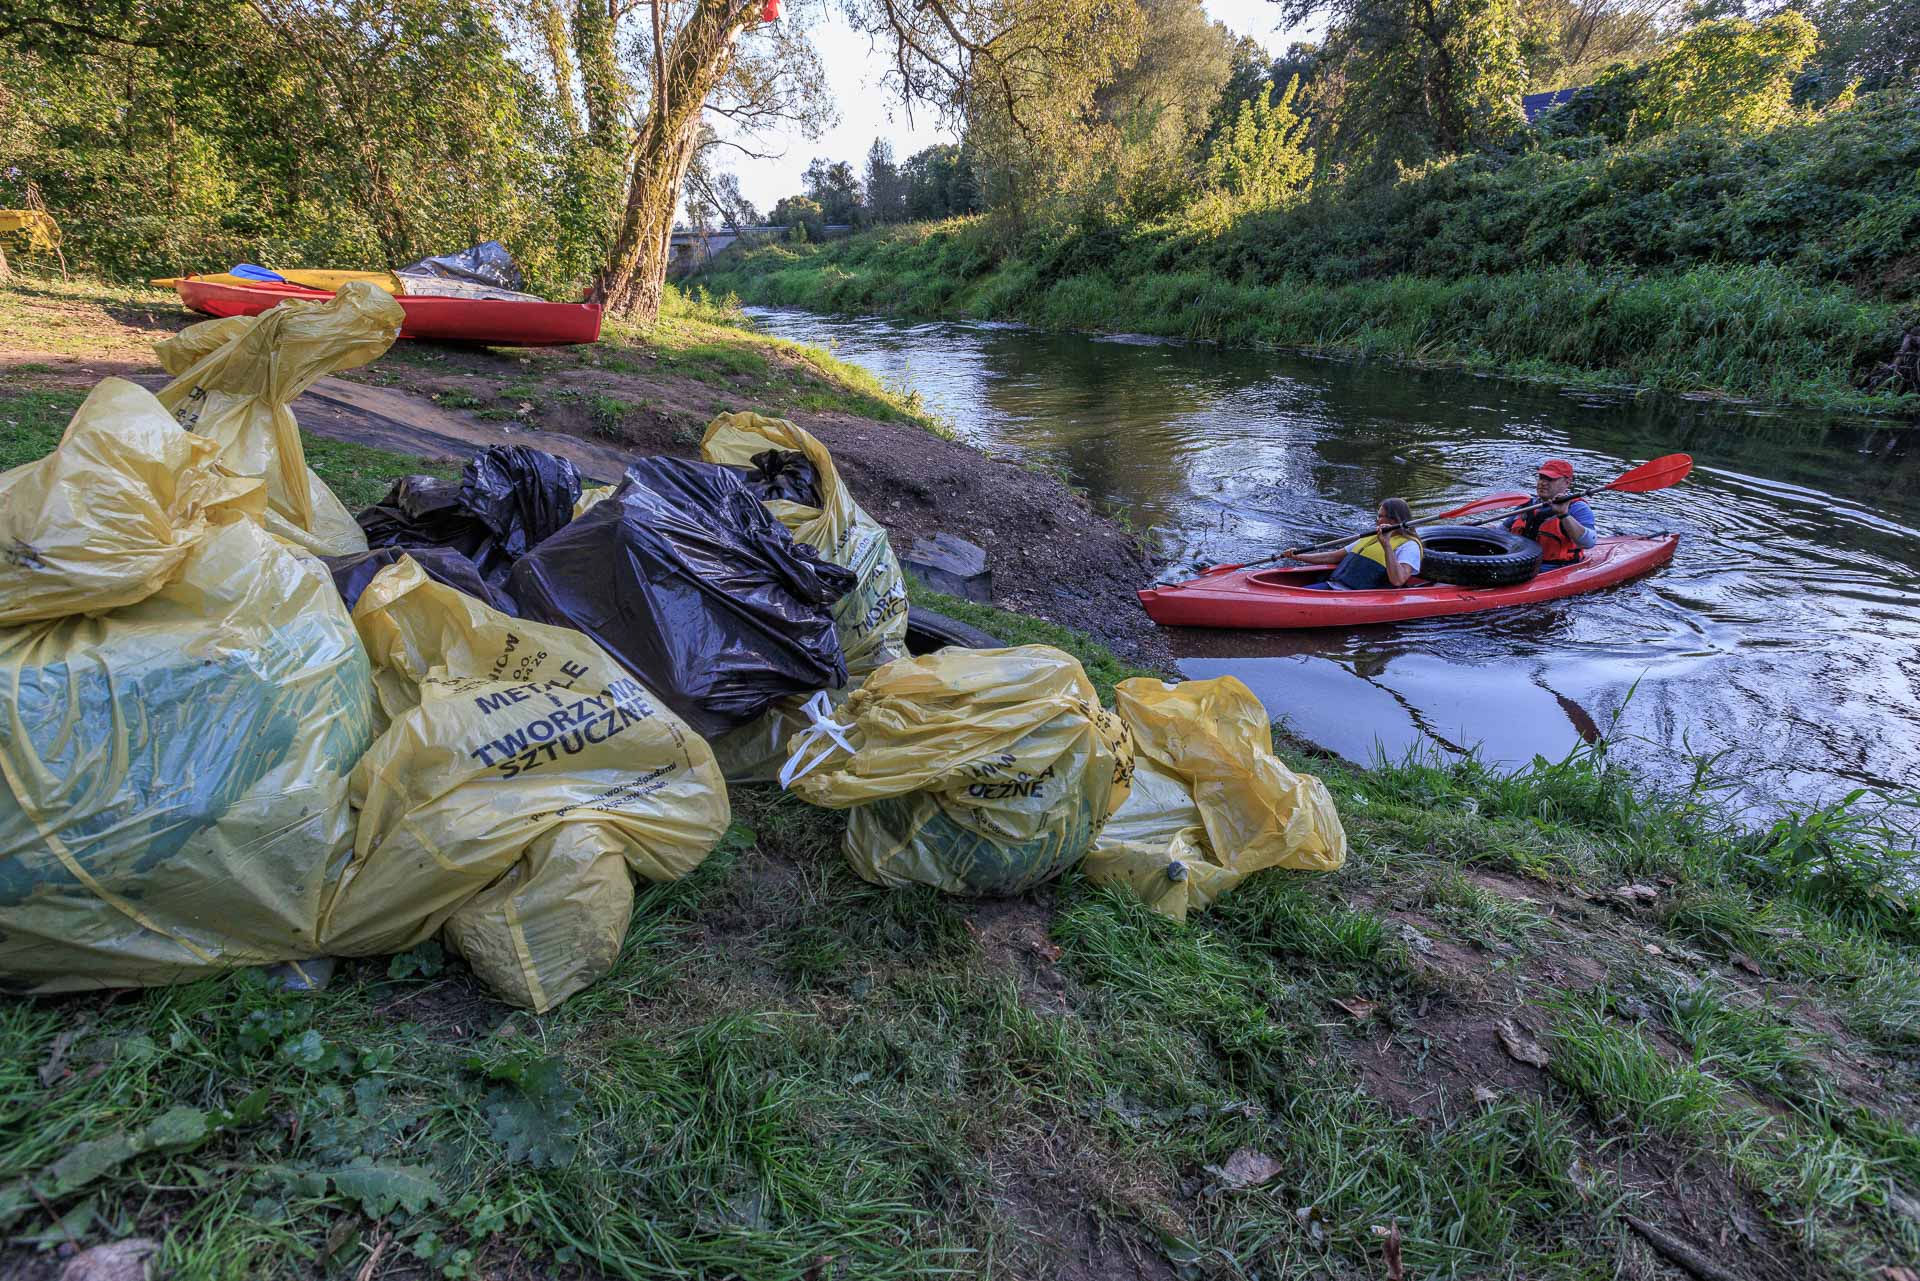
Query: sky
{"x": 868, "y": 111}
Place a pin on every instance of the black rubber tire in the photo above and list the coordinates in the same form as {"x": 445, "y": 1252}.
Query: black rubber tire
{"x": 1477, "y": 556}
{"x": 928, "y": 631}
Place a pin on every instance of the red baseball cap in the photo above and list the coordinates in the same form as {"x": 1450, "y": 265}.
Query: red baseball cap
{"x": 1557, "y": 468}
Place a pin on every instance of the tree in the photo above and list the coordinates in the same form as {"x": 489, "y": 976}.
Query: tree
{"x": 183, "y": 134}
{"x": 1180, "y": 70}
{"x": 1729, "y": 72}
{"x": 716, "y": 190}
{"x": 886, "y": 186}
{"x": 1006, "y": 60}
{"x": 1869, "y": 44}
{"x": 1565, "y": 43}
{"x": 1259, "y": 161}
{"x": 939, "y": 182}
{"x": 832, "y": 185}
{"x": 1411, "y": 79}
{"x": 801, "y": 217}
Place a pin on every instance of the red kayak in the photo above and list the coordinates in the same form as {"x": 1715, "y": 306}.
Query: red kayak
{"x": 499, "y": 322}
{"x": 1277, "y": 599}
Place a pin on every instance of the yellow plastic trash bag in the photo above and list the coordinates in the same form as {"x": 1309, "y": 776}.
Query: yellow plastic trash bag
{"x": 112, "y": 513}
{"x": 1211, "y": 804}
{"x": 233, "y": 381}
{"x": 524, "y": 781}
{"x": 872, "y": 618}
{"x": 591, "y": 498}
{"x": 977, "y": 771}
{"x": 175, "y": 751}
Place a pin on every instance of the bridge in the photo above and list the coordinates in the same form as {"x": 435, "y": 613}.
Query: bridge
{"x": 688, "y": 250}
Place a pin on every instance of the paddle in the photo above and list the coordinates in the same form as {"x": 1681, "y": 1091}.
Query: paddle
{"x": 1661, "y": 473}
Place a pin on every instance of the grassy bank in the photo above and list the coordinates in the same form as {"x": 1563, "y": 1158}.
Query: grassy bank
{"x": 1772, "y": 268}
{"x": 791, "y": 1073}
{"x": 698, "y": 360}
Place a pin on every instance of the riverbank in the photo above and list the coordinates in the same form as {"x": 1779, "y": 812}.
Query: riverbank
{"x": 1547, "y": 1024}
{"x": 1776, "y": 268}
{"x": 635, "y": 393}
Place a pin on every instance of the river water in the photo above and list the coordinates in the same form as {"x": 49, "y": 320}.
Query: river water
{"x": 1785, "y": 636}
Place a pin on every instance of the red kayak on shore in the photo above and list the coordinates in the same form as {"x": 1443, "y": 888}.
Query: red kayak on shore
{"x": 499, "y": 322}
{"x": 1279, "y": 599}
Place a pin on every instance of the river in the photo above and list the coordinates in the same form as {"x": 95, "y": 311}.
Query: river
{"x": 1784, "y": 639}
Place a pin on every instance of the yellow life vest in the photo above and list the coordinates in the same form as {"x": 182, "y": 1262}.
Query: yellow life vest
{"x": 1370, "y": 548}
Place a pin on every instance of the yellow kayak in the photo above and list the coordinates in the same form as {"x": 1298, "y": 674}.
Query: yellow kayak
{"x": 311, "y": 277}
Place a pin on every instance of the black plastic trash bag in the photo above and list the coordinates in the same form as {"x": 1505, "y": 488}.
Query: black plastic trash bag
{"x": 351, "y": 574}
{"x": 784, "y": 475}
{"x": 686, "y": 579}
{"x": 521, "y": 495}
{"x": 507, "y": 500}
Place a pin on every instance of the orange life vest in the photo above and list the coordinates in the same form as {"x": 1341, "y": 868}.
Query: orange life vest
{"x": 1543, "y": 527}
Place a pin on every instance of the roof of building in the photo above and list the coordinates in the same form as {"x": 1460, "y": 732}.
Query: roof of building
{"x": 1538, "y": 104}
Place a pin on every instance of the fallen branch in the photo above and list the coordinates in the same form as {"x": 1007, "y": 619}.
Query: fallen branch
{"x": 1682, "y": 1255}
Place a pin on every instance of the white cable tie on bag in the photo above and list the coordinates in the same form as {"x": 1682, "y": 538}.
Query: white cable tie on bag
{"x": 821, "y": 729}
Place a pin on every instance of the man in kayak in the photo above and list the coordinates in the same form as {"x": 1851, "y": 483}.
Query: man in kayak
{"x": 1386, "y": 558}
{"x": 1563, "y": 527}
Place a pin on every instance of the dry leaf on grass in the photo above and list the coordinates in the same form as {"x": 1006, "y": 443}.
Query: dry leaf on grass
{"x": 1359, "y": 1009}
{"x": 1519, "y": 1043}
{"x": 1246, "y": 1168}
{"x": 121, "y": 1261}
{"x": 1390, "y": 1250}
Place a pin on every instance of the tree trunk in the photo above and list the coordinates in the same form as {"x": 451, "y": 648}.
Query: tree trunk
{"x": 553, "y": 31}
{"x": 635, "y": 275}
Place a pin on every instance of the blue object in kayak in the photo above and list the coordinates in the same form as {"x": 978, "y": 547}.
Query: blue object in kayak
{"x": 250, "y": 271}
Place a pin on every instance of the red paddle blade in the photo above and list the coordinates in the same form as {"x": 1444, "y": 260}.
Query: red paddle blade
{"x": 1658, "y": 474}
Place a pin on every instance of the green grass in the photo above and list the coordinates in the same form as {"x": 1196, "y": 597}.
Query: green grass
{"x": 31, "y": 423}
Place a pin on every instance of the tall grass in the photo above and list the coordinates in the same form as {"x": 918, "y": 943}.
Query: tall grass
{"x": 1772, "y": 268}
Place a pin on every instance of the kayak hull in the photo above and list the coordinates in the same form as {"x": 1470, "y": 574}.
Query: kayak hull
{"x": 1278, "y": 599}
{"x": 498, "y": 322}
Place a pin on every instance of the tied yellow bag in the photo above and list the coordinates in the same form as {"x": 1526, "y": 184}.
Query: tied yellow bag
{"x": 872, "y": 618}
{"x": 524, "y": 780}
{"x": 233, "y": 381}
{"x": 1211, "y": 804}
{"x": 111, "y": 514}
{"x": 980, "y": 772}
{"x": 182, "y": 698}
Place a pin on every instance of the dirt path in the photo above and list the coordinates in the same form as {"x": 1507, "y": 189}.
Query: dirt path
{"x": 1051, "y": 555}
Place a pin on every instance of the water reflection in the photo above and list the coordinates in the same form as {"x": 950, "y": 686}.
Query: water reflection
{"x": 1786, "y": 633}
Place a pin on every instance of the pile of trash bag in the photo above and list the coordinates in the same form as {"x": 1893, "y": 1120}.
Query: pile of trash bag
{"x": 508, "y": 500}
{"x": 979, "y": 772}
{"x": 522, "y": 781}
{"x": 1210, "y": 804}
{"x": 183, "y": 698}
{"x": 684, "y": 577}
{"x": 234, "y": 378}
{"x": 242, "y": 727}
